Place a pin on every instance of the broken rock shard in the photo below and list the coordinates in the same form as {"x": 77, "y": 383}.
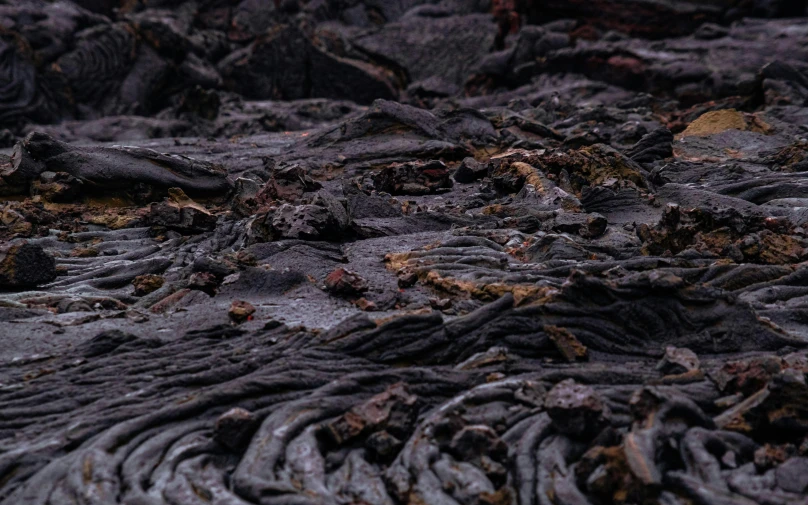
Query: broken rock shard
{"x": 25, "y": 265}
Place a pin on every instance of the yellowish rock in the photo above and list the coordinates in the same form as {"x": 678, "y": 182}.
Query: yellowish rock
{"x": 716, "y": 121}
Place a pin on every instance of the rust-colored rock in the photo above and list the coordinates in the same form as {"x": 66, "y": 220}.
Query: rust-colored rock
{"x": 240, "y": 311}
{"x": 570, "y": 347}
{"x": 345, "y": 283}
{"x": 717, "y": 121}
{"x": 148, "y": 283}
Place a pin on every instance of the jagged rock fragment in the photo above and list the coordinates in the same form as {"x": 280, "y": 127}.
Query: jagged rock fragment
{"x": 25, "y": 265}
{"x": 576, "y": 409}
{"x": 240, "y": 311}
{"x": 413, "y": 178}
{"x": 181, "y": 213}
{"x": 147, "y": 283}
{"x": 345, "y": 283}
{"x": 234, "y": 428}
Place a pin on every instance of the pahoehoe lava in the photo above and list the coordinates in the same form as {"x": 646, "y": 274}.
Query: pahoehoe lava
{"x": 449, "y": 252}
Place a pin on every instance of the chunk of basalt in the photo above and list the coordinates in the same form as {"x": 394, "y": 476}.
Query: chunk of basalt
{"x": 771, "y": 248}
{"x": 147, "y": 283}
{"x": 413, "y": 178}
{"x": 383, "y": 446}
{"x": 245, "y": 197}
{"x": 576, "y": 409}
{"x": 512, "y": 177}
{"x": 25, "y": 265}
{"x": 747, "y": 375}
{"x": 324, "y": 218}
{"x": 679, "y": 366}
{"x": 234, "y": 428}
{"x": 204, "y": 281}
{"x": 792, "y": 158}
{"x": 784, "y": 83}
{"x": 178, "y": 212}
{"x": 792, "y": 476}
{"x": 395, "y": 411}
{"x": 779, "y": 410}
{"x": 678, "y": 361}
{"x": 343, "y": 282}
{"x": 69, "y": 305}
{"x": 406, "y": 278}
{"x": 470, "y": 170}
{"x": 288, "y": 183}
{"x": 365, "y": 305}
{"x": 442, "y": 304}
{"x": 240, "y": 311}
{"x": 118, "y": 168}
{"x": 480, "y": 445}
{"x": 721, "y": 231}
{"x": 548, "y": 195}
{"x": 374, "y": 205}
{"x": 18, "y": 171}
{"x": 595, "y": 165}
{"x": 654, "y": 146}
{"x": 56, "y": 187}
{"x": 586, "y": 225}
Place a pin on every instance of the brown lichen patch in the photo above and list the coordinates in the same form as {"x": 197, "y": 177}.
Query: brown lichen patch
{"x": 498, "y": 210}
{"x": 714, "y": 122}
{"x": 396, "y": 261}
{"x": 774, "y": 249}
{"x": 758, "y": 125}
{"x": 715, "y": 240}
{"x": 147, "y": 283}
{"x": 169, "y": 301}
{"x": 384, "y": 320}
{"x": 791, "y": 158}
{"x": 522, "y": 293}
{"x": 114, "y": 220}
{"x": 594, "y": 165}
{"x": 529, "y": 173}
{"x": 723, "y": 233}
{"x": 688, "y": 377}
{"x": 611, "y": 477}
{"x": 85, "y": 252}
{"x": 570, "y": 347}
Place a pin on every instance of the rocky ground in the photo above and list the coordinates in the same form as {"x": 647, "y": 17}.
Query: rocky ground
{"x": 410, "y": 252}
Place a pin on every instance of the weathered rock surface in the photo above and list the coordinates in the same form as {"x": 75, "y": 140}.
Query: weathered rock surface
{"x": 456, "y": 252}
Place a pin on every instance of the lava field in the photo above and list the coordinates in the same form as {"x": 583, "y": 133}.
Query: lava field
{"x": 392, "y": 252}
